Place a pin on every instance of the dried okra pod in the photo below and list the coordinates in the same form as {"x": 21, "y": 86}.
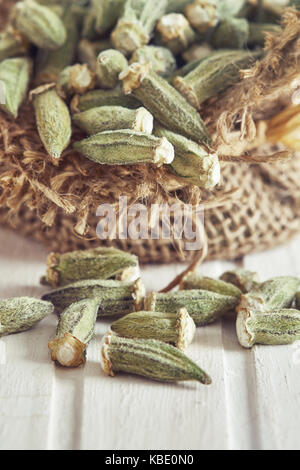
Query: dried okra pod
{"x": 14, "y": 78}
{"x": 53, "y": 120}
{"x": 203, "y": 306}
{"x": 76, "y": 328}
{"x": 148, "y": 358}
{"x": 88, "y": 51}
{"x": 213, "y": 75}
{"x": 275, "y": 294}
{"x": 194, "y": 280}
{"x": 202, "y": 14}
{"x": 12, "y": 44}
{"x": 192, "y": 163}
{"x": 269, "y": 327}
{"x": 96, "y": 98}
{"x": 178, "y": 329}
{"x": 126, "y": 147}
{"x": 161, "y": 59}
{"x": 110, "y": 64}
{"x": 241, "y": 278}
{"x": 39, "y": 24}
{"x": 75, "y": 79}
{"x": 137, "y": 23}
{"x": 110, "y": 118}
{"x": 258, "y": 32}
{"x": 174, "y": 32}
{"x": 96, "y": 263}
{"x": 231, "y": 33}
{"x": 22, "y": 313}
{"x": 164, "y": 102}
{"x": 116, "y": 298}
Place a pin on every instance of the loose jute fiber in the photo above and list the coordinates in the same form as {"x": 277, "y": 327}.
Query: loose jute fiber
{"x": 255, "y": 207}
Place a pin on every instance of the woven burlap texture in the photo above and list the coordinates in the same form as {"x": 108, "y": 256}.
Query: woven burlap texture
{"x": 34, "y": 198}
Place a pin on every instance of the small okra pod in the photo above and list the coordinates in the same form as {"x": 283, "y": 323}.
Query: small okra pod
{"x": 76, "y": 328}
{"x": 178, "y": 329}
{"x": 275, "y": 294}
{"x": 96, "y": 98}
{"x": 213, "y": 75}
{"x": 116, "y": 298}
{"x": 148, "y": 358}
{"x": 110, "y": 64}
{"x": 268, "y": 327}
{"x": 88, "y": 51}
{"x": 12, "y": 44}
{"x": 194, "y": 280}
{"x": 126, "y": 147}
{"x": 259, "y": 31}
{"x": 96, "y": 263}
{"x": 137, "y": 23}
{"x": 202, "y": 14}
{"x": 241, "y": 278}
{"x": 21, "y": 314}
{"x": 76, "y": 79}
{"x": 14, "y": 82}
{"x": 174, "y": 32}
{"x": 192, "y": 163}
{"x": 203, "y": 306}
{"x": 39, "y": 24}
{"x": 231, "y": 33}
{"x": 110, "y": 118}
{"x": 161, "y": 59}
{"x": 164, "y": 102}
{"x": 53, "y": 120}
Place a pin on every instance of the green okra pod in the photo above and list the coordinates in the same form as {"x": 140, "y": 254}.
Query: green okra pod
{"x": 213, "y": 75}
{"x": 164, "y": 102}
{"x": 197, "y": 52}
{"x": 148, "y": 358}
{"x": 192, "y": 163}
{"x": 202, "y": 14}
{"x": 109, "y": 118}
{"x": 126, "y": 147}
{"x": 110, "y": 64}
{"x": 203, "y": 306}
{"x": 39, "y": 24}
{"x": 137, "y": 23}
{"x": 76, "y": 328}
{"x": 231, "y": 8}
{"x": 177, "y": 6}
{"x": 231, "y": 33}
{"x": 88, "y": 51}
{"x": 96, "y": 263}
{"x": 53, "y": 120}
{"x": 96, "y": 98}
{"x": 174, "y": 32}
{"x": 268, "y": 327}
{"x": 116, "y": 298}
{"x": 14, "y": 83}
{"x": 241, "y": 278}
{"x": 22, "y": 313}
{"x": 107, "y": 12}
{"x": 178, "y": 329}
{"x": 12, "y": 44}
{"x": 195, "y": 280}
{"x": 161, "y": 59}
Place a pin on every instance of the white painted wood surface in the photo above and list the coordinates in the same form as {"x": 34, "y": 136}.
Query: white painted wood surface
{"x": 254, "y": 402}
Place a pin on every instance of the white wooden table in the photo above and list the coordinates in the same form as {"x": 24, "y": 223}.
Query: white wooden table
{"x": 254, "y": 402}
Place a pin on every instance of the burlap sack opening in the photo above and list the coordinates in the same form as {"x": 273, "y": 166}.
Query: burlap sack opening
{"x": 57, "y": 204}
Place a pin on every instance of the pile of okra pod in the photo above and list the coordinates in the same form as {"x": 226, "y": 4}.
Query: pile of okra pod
{"x": 132, "y": 74}
{"x": 150, "y": 332}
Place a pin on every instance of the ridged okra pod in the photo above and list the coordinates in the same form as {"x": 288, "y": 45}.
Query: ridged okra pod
{"x": 275, "y": 294}
{"x": 110, "y": 64}
{"x": 22, "y": 313}
{"x": 53, "y": 120}
{"x": 110, "y": 118}
{"x": 192, "y": 163}
{"x": 137, "y": 23}
{"x": 126, "y": 147}
{"x": 174, "y": 32}
{"x": 150, "y": 359}
{"x": 202, "y": 14}
{"x": 75, "y": 79}
{"x": 12, "y": 44}
{"x": 96, "y": 98}
{"x": 213, "y": 75}
{"x": 269, "y": 328}
{"x": 203, "y": 306}
{"x": 39, "y": 24}
{"x": 164, "y": 102}
{"x": 232, "y": 33}
{"x": 161, "y": 59}
{"x": 178, "y": 329}
{"x": 241, "y": 278}
{"x": 14, "y": 82}
{"x": 195, "y": 280}
{"x": 116, "y": 298}
{"x": 76, "y": 328}
{"x": 96, "y": 263}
